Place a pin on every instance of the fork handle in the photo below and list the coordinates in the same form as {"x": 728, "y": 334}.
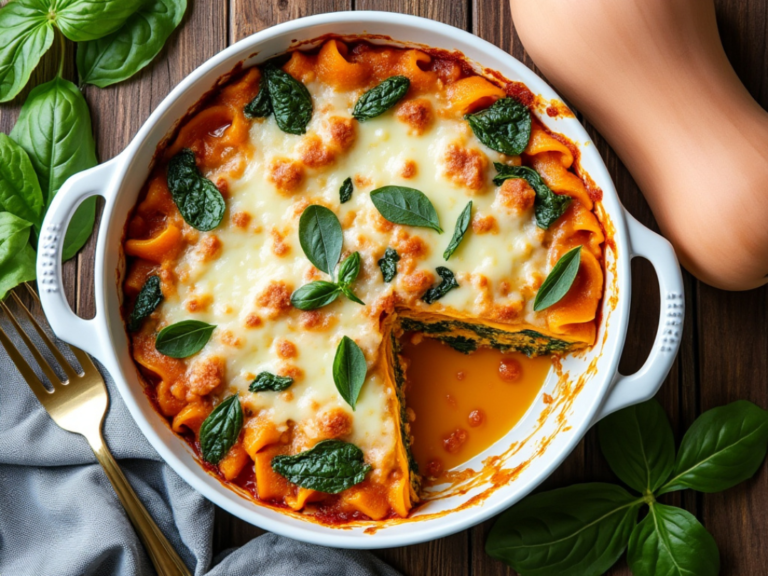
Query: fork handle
{"x": 165, "y": 559}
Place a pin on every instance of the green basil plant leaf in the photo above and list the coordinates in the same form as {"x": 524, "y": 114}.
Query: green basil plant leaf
{"x": 670, "y": 542}
{"x": 349, "y": 370}
{"x": 198, "y": 199}
{"x": 408, "y": 206}
{"x": 347, "y": 291}
{"x": 20, "y": 192}
{"x": 505, "y": 126}
{"x": 184, "y": 338}
{"x": 462, "y": 224}
{"x": 580, "y": 530}
{"x": 315, "y": 295}
{"x": 261, "y": 105}
{"x": 331, "y": 466}
{"x": 388, "y": 264}
{"x": 14, "y": 234}
{"x": 381, "y": 98}
{"x": 321, "y": 237}
{"x": 148, "y": 299}
{"x": 268, "y": 382}
{"x": 345, "y": 192}
{"x": 54, "y": 128}
{"x": 448, "y": 283}
{"x": 26, "y": 34}
{"x": 220, "y": 430}
{"x": 291, "y": 101}
{"x": 559, "y": 280}
{"x": 639, "y": 446}
{"x": 547, "y": 206}
{"x": 83, "y": 20}
{"x": 349, "y": 269}
{"x": 119, "y": 55}
{"x": 724, "y": 446}
{"x": 20, "y": 268}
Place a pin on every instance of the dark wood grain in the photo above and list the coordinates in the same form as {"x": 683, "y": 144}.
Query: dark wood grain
{"x": 724, "y": 352}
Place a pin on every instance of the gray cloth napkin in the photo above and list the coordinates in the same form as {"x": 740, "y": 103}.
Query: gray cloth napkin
{"x": 60, "y": 517}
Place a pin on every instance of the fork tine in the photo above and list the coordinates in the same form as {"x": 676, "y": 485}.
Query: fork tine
{"x": 21, "y": 365}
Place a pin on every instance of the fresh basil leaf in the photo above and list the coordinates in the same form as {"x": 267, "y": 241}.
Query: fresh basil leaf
{"x": 83, "y": 20}
{"x": 118, "y": 56}
{"x": 331, "y": 466}
{"x": 20, "y": 268}
{"x": 261, "y": 105}
{"x": 347, "y": 291}
{"x": 321, "y": 237}
{"x": 547, "y": 206}
{"x": 148, "y": 299}
{"x": 291, "y": 101}
{"x": 436, "y": 292}
{"x": 724, "y": 446}
{"x": 54, "y": 127}
{"x": 381, "y": 98}
{"x": 462, "y": 224}
{"x": 349, "y": 269}
{"x": 315, "y": 295}
{"x": 349, "y": 370}
{"x": 198, "y": 199}
{"x": 408, "y": 206}
{"x": 220, "y": 430}
{"x": 14, "y": 234}
{"x": 26, "y": 33}
{"x": 559, "y": 280}
{"x": 670, "y": 542}
{"x": 20, "y": 192}
{"x": 388, "y": 264}
{"x": 639, "y": 446}
{"x": 580, "y": 530}
{"x": 505, "y": 126}
{"x": 184, "y": 338}
{"x": 345, "y": 192}
{"x": 268, "y": 382}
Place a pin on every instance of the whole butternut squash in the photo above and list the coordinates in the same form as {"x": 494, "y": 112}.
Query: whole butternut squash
{"x": 652, "y": 77}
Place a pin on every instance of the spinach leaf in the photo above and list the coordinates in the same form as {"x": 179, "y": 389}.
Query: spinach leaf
{"x": 345, "y": 192}
{"x": 291, "y": 101}
{"x": 331, "y": 466}
{"x": 54, "y": 128}
{"x": 20, "y": 268}
{"x": 462, "y": 224}
{"x": 448, "y": 284}
{"x": 220, "y": 430}
{"x": 349, "y": 370}
{"x": 82, "y": 20}
{"x": 315, "y": 295}
{"x": 320, "y": 237}
{"x": 148, "y": 299}
{"x": 184, "y": 338}
{"x": 199, "y": 201}
{"x": 119, "y": 55}
{"x": 723, "y": 447}
{"x": 349, "y": 269}
{"x": 268, "y": 382}
{"x": 26, "y": 34}
{"x": 505, "y": 126}
{"x": 408, "y": 206}
{"x": 19, "y": 188}
{"x": 671, "y": 542}
{"x": 548, "y": 206}
{"x": 639, "y": 446}
{"x": 580, "y": 530}
{"x": 261, "y": 105}
{"x": 14, "y": 234}
{"x": 381, "y": 98}
{"x": 559, "y": 280}
{"x": 388, "y": 264}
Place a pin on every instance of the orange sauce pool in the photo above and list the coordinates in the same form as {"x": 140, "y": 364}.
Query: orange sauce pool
{"x": 464, "y": 403}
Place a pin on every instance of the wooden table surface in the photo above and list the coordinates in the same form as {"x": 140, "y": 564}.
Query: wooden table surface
{"x": 724, "y": 352}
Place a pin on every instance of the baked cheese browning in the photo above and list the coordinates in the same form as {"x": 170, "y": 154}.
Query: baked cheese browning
{"x": 240, "y": 276}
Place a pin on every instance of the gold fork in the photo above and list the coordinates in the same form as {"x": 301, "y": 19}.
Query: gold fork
{"x": 78, "y": 404}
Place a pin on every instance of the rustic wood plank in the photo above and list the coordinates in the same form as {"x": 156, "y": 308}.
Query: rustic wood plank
{"x": 453, "y": 12}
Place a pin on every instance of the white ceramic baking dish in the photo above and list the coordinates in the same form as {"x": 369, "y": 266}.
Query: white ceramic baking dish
{"x": 584, "y": 389}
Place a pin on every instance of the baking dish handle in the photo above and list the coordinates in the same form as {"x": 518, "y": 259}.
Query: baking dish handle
{"x": 63, "y": 321}
{"x": 643, "y": 384}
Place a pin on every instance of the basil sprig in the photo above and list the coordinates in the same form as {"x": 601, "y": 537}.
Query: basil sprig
{"x": 462, "y": 224}
{"x": 268, "y": 382}
{"x": 331, "y": 466}
{"x": 583, "y": 529}
{"x": 381, "y": 98}
{"x": 388, "y": 264}
{"x": 199, "y": 201}
{"x": 559, "y": 281}
{"x": 349, "y": 370}
{"x": 220, "y": 430}
{"x": 345, "y": 192}
{"x": 148, "y": 299}
{"x": 505, "y": 126}
{"x": 315, "y": 295}
{"x": 184, "y": 338}
{"x": 408, "y": 206}
{"x": 547, "y": 206}
{"x": 448, "y": 283}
